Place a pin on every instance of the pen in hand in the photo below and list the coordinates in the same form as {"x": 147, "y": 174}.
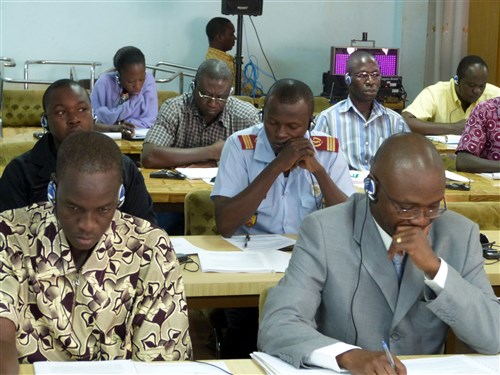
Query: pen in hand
{"x": 388, "y": 354}
{"x": 247, "y": 239}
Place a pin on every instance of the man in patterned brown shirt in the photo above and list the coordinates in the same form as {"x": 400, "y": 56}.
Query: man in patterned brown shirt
{"x": 81, "y": 280}
{"x": 192, "y": 128}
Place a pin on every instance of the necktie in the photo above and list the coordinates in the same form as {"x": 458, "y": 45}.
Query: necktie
{"x": 398, "y": 264}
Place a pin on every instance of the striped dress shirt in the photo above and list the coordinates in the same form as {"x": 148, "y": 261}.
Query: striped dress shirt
{"x": 359, "y": 138}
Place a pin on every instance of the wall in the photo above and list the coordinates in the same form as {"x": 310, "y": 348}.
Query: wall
{"x": 295, "y": 35}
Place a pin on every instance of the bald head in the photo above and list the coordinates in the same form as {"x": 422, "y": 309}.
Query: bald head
{"x": 406, "y": 152}
{"x": 357, "y": 58}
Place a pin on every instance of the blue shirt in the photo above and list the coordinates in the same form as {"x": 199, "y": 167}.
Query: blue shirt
{"x": 360, "y": 139}
{"x": 290, "y": 198}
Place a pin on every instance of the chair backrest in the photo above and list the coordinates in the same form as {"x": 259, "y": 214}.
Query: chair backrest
{"x": 245, "y": 98}
{"x": 165, "y": 95}
{"x": 320, "y": 104}
{"x": 484, "y": 214}
{"x": 199, "y": 213}
{"x": 21, "y": 107}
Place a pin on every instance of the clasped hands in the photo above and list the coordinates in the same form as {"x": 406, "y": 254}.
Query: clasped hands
{"x": 298, "y": 152}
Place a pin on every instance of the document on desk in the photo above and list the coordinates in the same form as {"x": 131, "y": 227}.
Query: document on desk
{"x": 442, "y": 365}
{"x": 358, "y": 178}
{"x": 450, "y": 139}
{"x": 261, "y": 242}
{"x": 244, "y": 261}
{"x": 182, "y": 245}
{"x": 456, "y": 177}
{"x": 129, "y": 367}
{"x": 198, "y": 173}
{"x": 493, "y": 175}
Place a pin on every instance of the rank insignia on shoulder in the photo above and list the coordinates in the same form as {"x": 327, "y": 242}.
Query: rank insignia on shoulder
{"x": 324, "y": 143}
{"x": 248, "y": 141}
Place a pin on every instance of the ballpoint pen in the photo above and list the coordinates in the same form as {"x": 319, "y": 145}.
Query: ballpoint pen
{"x": 388, "y": 354}
{"x": 247, "y": 239}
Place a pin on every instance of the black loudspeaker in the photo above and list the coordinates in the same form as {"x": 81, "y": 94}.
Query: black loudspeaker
{"x": 242, "y": 7}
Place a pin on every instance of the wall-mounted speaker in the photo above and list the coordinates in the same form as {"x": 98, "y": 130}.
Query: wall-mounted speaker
{"x": 242, "y": 7}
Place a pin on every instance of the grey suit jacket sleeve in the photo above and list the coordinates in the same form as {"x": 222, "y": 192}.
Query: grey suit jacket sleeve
{"x": 288, "y": 328}
{"x": 467, "y": 304}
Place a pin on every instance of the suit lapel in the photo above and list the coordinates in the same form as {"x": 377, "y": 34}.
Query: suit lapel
{"x": 412, "y": 285}
{"x": 375, "y": 261}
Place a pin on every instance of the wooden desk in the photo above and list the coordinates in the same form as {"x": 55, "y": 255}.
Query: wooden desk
{"x": 482, "y": 189}
{"x": 168, "y": 194}
{"x": 210, "y": 290}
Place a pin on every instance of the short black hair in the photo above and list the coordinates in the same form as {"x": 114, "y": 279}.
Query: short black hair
{"x": 127, "y": 56}
{"x": 89, "y": 152}
{"x": 290, "y": 91}
{"x": 65, "y": 82}
{"x": 216, "y": 26}
{"x": 467, "y": 62}
{"x": 356, "y": 57}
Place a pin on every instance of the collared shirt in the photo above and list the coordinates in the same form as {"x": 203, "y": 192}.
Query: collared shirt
{"x": 213, "y": 53}
{"x": 481, "y": 136}
{"x": 180, "y": 125}
{"x": 140, "y": 110}
{"x": 126, "y": 301}
{"x": 290, "y": 198}
{"x": 440, "y": 103}
{"x": 360, "y": 138}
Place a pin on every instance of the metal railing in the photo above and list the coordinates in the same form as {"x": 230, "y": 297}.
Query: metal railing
{"x": 181, "y": 71}
{"x": 91, "y": 64}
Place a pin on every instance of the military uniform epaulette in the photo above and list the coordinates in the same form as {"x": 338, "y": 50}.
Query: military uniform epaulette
{"x": 248, "y": 141}
{"x": 325, "y": 143}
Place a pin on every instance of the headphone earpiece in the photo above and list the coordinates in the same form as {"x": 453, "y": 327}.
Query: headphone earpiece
{"x": 44, "y": 122}
{"x": 455, "y": 78}
{"x": 347, "y": 79}
{"x": 121, "y": 195}
{"x": 370, "y": 188}
{"x": 51, "y": 192}
{"x": 117, "y": 77}
{"x": 192, "y": 85}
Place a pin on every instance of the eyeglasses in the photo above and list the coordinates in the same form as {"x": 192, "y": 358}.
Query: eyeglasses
{"x": 413, "y": 213}
{"x": 364, "y": 75}
{"x": 209, "y": 98}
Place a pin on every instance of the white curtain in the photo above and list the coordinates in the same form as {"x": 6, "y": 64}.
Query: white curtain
{"x": 446, "y": 38}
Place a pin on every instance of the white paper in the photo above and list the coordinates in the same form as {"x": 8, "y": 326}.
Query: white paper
{"x": 140, "y": 133}
{"x": 198, "y": 173}
{"x": 450, "y": 139}
{"x": 493, "y": 176}
{"x": 434, "y": 365}
{"x": 129, "y": 367}
{"x": 234, "y": 262}
{"x": 113, "y": 135}
{"x": 182, "y": 245}
{"x": 261, "y": 242}
{"x": 456, "y": 177}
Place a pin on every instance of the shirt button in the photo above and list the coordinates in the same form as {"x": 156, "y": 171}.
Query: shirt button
{"x": 366, "y": 143}
{"x": 395, "y": 336}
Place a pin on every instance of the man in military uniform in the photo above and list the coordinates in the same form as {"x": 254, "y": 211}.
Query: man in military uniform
{"x": 274, "y": 174}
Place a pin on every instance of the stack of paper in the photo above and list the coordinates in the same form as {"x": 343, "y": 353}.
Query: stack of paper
{"x": 456, "y": 177}
{"x": 450, "y": 139}
{"x": 455, "y": 364}
{"x": 244, "y": 261}
{"x": 493, "y": 176}
{"x": 261, "y": 242}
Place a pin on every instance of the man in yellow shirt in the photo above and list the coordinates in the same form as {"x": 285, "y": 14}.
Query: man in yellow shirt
{"x": 220, "y": 32}
{"x": 444, "y": 107}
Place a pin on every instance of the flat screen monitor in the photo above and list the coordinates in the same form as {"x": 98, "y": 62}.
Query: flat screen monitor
{"x": 387, "y": 58}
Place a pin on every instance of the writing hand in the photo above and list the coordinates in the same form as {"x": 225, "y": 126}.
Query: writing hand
{"x": 127, "y": 129}
{"x": 360, "y": 361}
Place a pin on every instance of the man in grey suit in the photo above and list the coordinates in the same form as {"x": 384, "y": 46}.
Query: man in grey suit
{"x": 340, "y": 296}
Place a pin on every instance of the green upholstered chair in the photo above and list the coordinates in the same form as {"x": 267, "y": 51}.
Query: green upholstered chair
{"x": 165, "y": 95}
{"x": 199, "y": 213}
{"x": 485, "y": 214}
{"x": 21, "y": 107}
